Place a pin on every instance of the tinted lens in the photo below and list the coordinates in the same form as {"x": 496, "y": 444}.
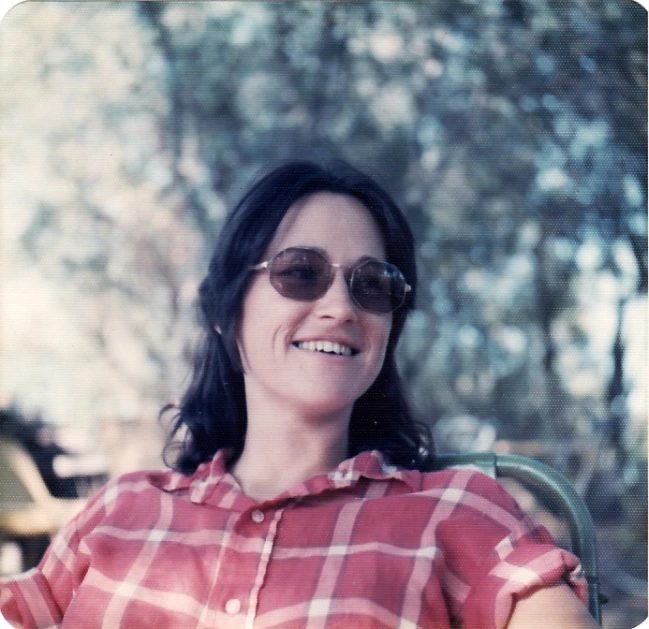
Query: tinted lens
{"x": 300, "y": 274}
{"x": 378, "y": 286}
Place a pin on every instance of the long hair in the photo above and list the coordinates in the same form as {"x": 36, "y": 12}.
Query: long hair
{"x": 212, "y": 413}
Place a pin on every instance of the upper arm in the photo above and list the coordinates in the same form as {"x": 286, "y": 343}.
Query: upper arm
{"x": 554, "y": 607}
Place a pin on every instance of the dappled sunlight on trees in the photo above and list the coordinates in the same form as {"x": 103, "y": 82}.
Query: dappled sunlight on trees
{"x": 513, "y": 134}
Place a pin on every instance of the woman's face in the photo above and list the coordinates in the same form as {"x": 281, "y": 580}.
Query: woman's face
{"x": 275, "y": 333}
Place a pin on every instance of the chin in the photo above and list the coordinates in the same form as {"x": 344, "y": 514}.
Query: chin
{"x": 328, "y": 405}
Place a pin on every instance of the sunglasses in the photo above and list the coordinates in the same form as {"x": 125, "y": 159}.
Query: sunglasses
{"x": 306, "y": 275}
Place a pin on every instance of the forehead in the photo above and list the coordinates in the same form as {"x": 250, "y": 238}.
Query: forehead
{"x": 337, "y": 223}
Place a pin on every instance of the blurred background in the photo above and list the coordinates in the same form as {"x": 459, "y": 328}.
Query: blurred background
{"x": 512, "y": 132}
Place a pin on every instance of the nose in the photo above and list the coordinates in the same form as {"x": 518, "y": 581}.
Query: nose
{"x": 337, "y": 302}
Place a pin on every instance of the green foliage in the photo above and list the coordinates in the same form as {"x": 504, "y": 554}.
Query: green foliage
{"x": 512, "y": 132}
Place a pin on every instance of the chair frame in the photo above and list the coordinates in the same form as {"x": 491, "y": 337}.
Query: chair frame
{"x": 28, "y": 512}
{"x": 548, "y": 482}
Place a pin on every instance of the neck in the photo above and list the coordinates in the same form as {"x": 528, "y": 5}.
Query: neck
{"x": 284, "y": 449}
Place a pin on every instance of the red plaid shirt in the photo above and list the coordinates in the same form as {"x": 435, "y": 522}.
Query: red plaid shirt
{"x": 368, "y": 546}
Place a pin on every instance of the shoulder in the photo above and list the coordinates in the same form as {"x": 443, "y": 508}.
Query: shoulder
{"x": 477, "y": 515}
{"x": 137, "y": 488}
{"x": 463, "y": 483}
{"x": 137, "y": 483}
{"x": 469, "y": 493}
{"x": 466, "y": 480}
{"x": 495, "y": 551}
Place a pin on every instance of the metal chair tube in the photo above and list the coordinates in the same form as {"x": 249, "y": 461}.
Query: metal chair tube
{"x": 546, "y": 481}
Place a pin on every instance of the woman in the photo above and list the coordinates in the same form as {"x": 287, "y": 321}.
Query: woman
{"x": 300, "y": 497}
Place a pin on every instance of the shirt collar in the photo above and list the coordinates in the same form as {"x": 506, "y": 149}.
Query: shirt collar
{"x": 370, "y": 464}
{"x": 198, "y": 484}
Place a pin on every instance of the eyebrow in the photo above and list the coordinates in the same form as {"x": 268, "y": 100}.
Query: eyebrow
{"x": 323, "y": 252}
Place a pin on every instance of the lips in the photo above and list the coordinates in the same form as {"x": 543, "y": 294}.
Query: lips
{"x": 327, "y": 347}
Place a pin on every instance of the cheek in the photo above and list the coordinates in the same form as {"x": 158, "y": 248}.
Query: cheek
{"x": 245, "y": 332}
{"x": 387, "y": 329}
{"x": 267, "y": 326}
{"x": 381, "y": 333}
{"x": 243, "y": 359}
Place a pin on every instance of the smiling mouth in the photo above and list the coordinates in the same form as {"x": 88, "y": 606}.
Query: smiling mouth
{"x": 326, "y": 347}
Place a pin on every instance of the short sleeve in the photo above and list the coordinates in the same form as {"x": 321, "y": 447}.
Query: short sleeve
{"x": 494, "y": 553}
{"x": 27, "y": 602}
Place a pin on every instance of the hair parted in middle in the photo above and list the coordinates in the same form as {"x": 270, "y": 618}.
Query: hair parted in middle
{"x": 212, "y": 413}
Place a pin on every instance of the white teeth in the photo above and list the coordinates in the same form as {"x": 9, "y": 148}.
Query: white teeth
{"x": 326, "y": 346}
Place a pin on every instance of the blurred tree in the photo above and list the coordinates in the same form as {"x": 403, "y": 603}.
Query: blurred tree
{"x": 513, "y": 132}
{"x": 81, "y": 119}
{"x": 441, "y": 101}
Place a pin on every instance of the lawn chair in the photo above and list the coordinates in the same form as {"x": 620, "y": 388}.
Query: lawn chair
{"x": 544, "y": 481}
{"x": 28, "y": 512}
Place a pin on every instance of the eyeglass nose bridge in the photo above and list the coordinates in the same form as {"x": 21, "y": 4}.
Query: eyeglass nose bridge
{"x": 347, "y": 275}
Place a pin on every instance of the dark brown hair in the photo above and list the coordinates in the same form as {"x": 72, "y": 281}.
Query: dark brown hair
{"x": 212, "y": 412}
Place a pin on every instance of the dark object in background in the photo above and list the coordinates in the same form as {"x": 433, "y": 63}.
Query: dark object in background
{"x": 67, "y": 476}
{"x": 38, "y": 439}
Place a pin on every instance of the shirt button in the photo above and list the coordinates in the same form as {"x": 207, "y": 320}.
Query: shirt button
{"x": 233, "y": 606}
{"x": 257, "y": 516}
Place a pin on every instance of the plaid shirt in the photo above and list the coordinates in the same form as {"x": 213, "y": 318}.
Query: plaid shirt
{"x": 367, "y": 546}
